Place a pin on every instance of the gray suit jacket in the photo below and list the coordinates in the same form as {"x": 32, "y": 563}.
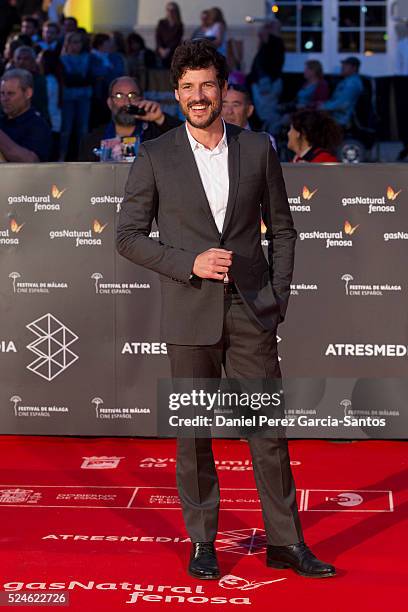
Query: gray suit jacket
{"x": 164, "y": 184}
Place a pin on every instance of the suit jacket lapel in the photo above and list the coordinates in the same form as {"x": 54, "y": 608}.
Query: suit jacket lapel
{"x": 233, "y": 171}
{"x": 191, "y": 176}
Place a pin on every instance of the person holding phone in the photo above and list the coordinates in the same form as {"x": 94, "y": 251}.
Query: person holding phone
{"x": 132, "y": 117}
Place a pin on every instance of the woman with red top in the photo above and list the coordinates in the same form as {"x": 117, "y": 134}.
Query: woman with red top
{"x": 314, "y": 137}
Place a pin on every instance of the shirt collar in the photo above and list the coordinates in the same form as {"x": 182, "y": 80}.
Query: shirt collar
{"x": 21, "y": 118}
{"x": 195, "y": 145}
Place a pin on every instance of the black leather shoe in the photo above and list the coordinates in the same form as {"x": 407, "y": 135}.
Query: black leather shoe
{"x": 299, "y": 558}
{"x": 203, "y": 562}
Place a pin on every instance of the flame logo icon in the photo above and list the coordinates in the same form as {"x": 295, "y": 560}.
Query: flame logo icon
{"x": 98, "y": 227}
{"x": 349, "y": 229}
{"x": 307, "y": 194}
{"x": 15, "y": 227}
{"x": 56, "y": 193}
{"x": 391, "y": 194}
{"x": 263, "y": 227}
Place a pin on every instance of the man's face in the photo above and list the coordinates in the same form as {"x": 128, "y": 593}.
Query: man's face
{"x": 308, "y": 73}
{"x": 27, "y": 28}
{"x": 106, "y": 47}
{"x": 49, "y": 34}
{"x": 69, "y": 26}
{"x": 347, "y": 69}
{"x": 200, "y": 96}
{"x": 235, "y": 108}
{"x": 75, "y": 45}
{"x": 205, "y": 19}
{"x": 13, "y": 98}
{"x": 124, "y": 93}
{"x": 23, "y": 60}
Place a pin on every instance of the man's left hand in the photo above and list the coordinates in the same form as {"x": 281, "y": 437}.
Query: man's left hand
{"x": 153, "y": 111}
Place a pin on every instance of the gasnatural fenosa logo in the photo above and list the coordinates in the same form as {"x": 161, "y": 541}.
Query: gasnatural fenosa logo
{"x": 41, "y": 203}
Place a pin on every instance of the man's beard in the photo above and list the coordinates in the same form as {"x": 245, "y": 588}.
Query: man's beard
{"x": 123, "y": 118}
{"x": 215, "y": 112}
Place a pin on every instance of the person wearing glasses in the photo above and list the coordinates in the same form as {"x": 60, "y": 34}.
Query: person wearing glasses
{"x": 125, "y": 93}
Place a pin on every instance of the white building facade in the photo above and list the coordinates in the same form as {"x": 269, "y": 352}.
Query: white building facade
{"x": 327, "y": 30}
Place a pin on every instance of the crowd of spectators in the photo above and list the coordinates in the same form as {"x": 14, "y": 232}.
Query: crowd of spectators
{"x": 68, "y": 95}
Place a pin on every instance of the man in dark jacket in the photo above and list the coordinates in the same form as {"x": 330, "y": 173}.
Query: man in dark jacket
{"x": 207, "y": 184}
{"x": 24, "y": 135}
{"x": 125, "y": 92}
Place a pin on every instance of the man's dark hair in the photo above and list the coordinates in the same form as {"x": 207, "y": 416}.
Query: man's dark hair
{"x": 22, "y": 40}
{"x": 51, "y": 24}
{"x": 74, "y": 19}
{"x": 242, "y": 89}
{"x": 30, "y": 19}
{"x": 134, "y": 37}
{"x": 195, "y": 55}
{"x": 99, "y": 40}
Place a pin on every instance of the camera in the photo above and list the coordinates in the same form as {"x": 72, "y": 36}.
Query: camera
{"x": 135, "y": 110}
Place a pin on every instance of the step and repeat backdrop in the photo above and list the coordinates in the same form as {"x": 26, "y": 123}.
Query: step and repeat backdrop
{"x": 80, "y": 352}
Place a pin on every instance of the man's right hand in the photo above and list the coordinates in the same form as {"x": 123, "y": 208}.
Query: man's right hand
{"x": 213, "y": 263}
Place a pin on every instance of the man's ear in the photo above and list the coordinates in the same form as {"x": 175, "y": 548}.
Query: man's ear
{"x": 224, "y": 90}
{"x": 109, "y": 103}
{"x": 29, "y": 93}
{"x": 250, "y": 110}
{"x": 176, "y": 93}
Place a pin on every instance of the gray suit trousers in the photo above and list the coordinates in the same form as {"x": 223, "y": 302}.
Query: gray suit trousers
{"x": 246, "y": 350}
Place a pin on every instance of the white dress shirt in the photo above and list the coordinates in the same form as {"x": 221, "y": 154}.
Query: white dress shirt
{"x": 213, "y": 168}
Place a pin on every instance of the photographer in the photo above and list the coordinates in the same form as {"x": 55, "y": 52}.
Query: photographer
{"x": 148, "y": 123}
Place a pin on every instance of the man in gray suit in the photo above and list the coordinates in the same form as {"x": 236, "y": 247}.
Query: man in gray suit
{"x": 207, "y": 184}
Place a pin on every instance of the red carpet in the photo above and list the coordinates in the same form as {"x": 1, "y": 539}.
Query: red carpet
{"x": 65, "y": 518}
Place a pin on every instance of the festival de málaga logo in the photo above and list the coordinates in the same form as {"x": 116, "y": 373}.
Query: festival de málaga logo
{"x": 116, "y": 288}
{"x": 90, "y": 237}
{"x": 382, "y": 204}
{"x": 301, "y": 203}
{"x": 341, "y": 238}
{"x": 40, "y": 203}
{"x": 34, "y": 286}
{"x": 360, "y": 289}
